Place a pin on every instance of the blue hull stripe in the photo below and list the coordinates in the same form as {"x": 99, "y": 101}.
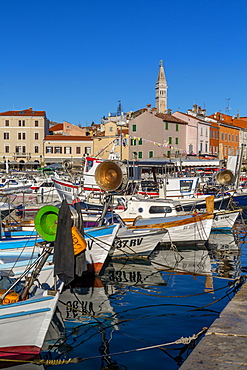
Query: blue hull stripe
{"x": 19, "y": 314}
{"x": 30, "y": 301}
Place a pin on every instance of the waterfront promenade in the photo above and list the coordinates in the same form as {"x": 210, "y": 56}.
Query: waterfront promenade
{"x": 224, "y": 345}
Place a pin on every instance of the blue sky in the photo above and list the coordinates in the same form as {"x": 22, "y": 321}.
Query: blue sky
{"x": 76, "y": 59}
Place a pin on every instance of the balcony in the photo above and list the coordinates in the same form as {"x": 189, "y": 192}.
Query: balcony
{"x": 19, "y": 155}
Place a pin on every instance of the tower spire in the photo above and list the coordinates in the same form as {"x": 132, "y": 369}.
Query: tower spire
{"x": 161, "y": 90}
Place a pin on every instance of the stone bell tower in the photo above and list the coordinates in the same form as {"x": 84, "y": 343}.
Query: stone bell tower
{"x": 161, "y": 91}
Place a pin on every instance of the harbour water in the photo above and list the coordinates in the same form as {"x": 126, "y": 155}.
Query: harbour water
{"x": 112, "y": 321}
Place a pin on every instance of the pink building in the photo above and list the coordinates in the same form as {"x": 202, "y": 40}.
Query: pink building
{"x": 156, "y": 135}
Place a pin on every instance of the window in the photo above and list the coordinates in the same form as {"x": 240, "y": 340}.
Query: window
{"x": 225, "y": 136}
{"x": 6, "y": 148}
{"x": 150, "y": 154}
{"x": 134, "y": 128}
{"x": 23, "y": 123}
{"x": 206, "y": 132}
{"x": 176, "y": 140}
{"x": 36, "y": 136}
{"x": 36, "y": 149}
{"x": 167, "y": 125}
{"x": 78, "y": 150}
{"x": 49, "y": 149}
{"x": 23, "y": 149}
{"x": 160, "y": 209}
{"x": 176, "y": 126}
{"x": 110, "y": 129}
{"x": 216, "y": 134}
{"x": 236, "y": 138}
{"x": 185, "y": 186}
{"x": 222, "y": 136}
{"x": 170, "y": 140}
{"x": 168, "y": 154}
{"x": 201, "y": 146}
{"x": 6, "y": 135}
{"x": 211, "y": 134}
{"x": 140, "y": 155}
{"x": 67, "y": 150}
{"x": 19, "y": 135}
{"x": 232, "y": 137}
{"x": 23, "y": 136}
{"x": 229, "y": 137}
{"x": 206, "y": 147}
{"x": 20, "y": 123}
{"x": 133, "y": 142}
{"x": 201, "y": 131}
{"x": 7, "y": 122}
{"x": 36, "y": 123}
{"x": 140, "y": 141}
{"x": 88, "y": 150}
{"x": 58, "y": 149}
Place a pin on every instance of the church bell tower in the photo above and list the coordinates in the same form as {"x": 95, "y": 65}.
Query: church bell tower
{"x": 161, "y": 91}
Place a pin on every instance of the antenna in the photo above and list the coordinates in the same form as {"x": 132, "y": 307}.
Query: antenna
{"x": 119, "y": 108}
{"x": 227, "y": 109}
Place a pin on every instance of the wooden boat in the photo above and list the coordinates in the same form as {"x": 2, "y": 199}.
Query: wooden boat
{"x": 184, "y": 229}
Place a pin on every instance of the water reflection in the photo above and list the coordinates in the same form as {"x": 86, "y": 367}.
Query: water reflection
{"x": 137, "y": 303}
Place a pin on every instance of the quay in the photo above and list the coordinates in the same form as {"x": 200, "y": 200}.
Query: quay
{"x": 224, "y": 345}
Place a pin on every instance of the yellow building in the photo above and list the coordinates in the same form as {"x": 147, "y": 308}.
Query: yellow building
{"x": 108, "y": 143}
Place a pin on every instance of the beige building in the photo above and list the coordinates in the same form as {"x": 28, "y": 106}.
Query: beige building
{"x": 22, "y": 134}
{"x": 59, "y": 148}
{"x": 108, "y": 144}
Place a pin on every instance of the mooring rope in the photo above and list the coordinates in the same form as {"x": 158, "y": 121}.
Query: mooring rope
{"x": 182, "y": 340}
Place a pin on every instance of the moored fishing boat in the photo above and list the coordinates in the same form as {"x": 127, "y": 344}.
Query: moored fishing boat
{"x": 25, "y": 310}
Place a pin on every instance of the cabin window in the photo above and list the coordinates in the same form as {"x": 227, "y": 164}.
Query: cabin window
{"x": 89, "y": 165}
{"x": 160, "y": 209}
{"x": 185, "y": 186}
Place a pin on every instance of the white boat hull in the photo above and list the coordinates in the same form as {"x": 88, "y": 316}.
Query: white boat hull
{"x": 136, "y": 242}
{"x": 24, "y": 325}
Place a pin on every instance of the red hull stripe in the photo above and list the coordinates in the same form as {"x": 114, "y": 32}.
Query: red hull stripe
{"x": 29, "y": 351}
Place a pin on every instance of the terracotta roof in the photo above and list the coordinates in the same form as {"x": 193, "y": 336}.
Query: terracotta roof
{"x": 25, "y": 112}
{"x": 68, "y": 138}
{"x": 57, "y": 127}
{"x": 169, "y": 118}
